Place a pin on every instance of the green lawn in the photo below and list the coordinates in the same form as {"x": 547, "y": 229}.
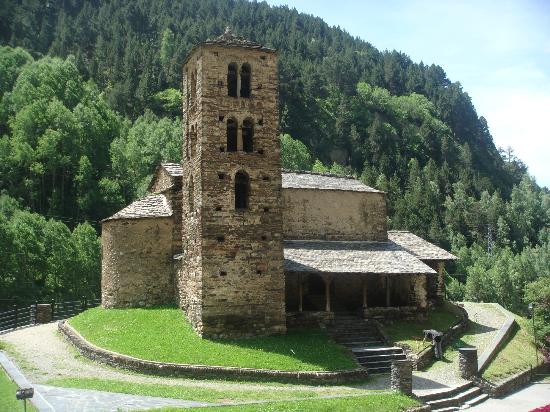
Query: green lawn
{"x": 8, "y": 402}
{"x": 517, "y": 355}
{"x": 410, "y": 332}
{"x": 383, "y": 402}
{"x": 163, "y": 334}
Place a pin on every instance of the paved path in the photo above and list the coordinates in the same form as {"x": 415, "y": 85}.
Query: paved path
{"x": 524, "y": 400}
{"x": 485, "y": 320}
{"x": 70, "y": 400}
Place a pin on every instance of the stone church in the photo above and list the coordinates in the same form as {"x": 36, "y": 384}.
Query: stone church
{"x": 243, "y": 247}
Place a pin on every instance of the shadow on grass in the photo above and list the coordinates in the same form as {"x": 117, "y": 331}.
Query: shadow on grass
{"x": 477, "y": 328}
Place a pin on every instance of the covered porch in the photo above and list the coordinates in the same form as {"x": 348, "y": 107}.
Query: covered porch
{"x": 370, "y": 279}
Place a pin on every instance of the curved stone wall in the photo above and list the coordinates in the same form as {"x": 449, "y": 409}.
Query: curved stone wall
{"x": 136, "y": 268}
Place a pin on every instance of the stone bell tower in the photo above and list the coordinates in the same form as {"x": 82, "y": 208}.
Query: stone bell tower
{"x": 230, "y": 276}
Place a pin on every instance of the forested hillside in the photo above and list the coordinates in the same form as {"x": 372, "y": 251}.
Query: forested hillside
{"x": 90, "y": 104}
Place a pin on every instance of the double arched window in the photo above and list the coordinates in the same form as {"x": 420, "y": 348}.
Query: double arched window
{"x": 233, "y": 80}
{"x": 242, "y": 190}
{"x": 247, "y": 135}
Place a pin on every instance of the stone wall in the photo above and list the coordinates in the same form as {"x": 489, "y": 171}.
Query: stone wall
{"x": 231, "y": 279}
{"x": 161, "y": 181}
{"x": 334, "y": 215}
{"x": 136, "y": 268}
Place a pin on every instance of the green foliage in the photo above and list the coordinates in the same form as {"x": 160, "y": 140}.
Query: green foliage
{"x": 294, "y": 154}
{"x": 168, "y": 103}
{"x": 538, "y": 293}
{"x": 130, "y": 332}
{"x": 7, "y": 395}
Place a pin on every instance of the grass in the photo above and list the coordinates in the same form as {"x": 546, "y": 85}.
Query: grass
{"x": 193, "y": 393}
{"x": 383, "y": 402}
{"x": 164, "y": 334}
{"x": 517, "y": 355}
{"x": 410, "y": 332}
{"x": 7, "y": 395}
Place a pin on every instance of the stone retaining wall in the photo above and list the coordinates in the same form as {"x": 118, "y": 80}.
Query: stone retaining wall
{"x": 202, "y": 371}
{"x": 511, "y": 384}
{"x": 500, "y": 338}
{"x": 424, "y": 358}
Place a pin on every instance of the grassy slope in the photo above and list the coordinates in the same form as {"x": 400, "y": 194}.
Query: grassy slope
{"x": 410, "y": 332}
{"x": 517, "y": 355}
{"x": 7, "y": 395}
{"x": 163, "y": 334}
{"x": 387, "y": 402}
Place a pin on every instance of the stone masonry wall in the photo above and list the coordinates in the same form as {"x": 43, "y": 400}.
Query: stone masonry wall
{"x": 136, "y": 269}
{"x": 334, "y": 215}
{"x": 234, "y": 283}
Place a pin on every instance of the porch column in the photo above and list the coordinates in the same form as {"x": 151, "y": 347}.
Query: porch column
{"x": 440, "y": 279}
{"x": 301, "y": 292}
{"x": 327, "y": 280}
{"x": 388, "y": 285}
{"x": 364, "y": 293}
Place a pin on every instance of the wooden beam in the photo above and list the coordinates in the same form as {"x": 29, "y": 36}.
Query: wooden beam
{"x": 388, "y": 303}
{"x": 301, "y": 292}
{"x": 327, "y": 280}
{"x": 364, "y": 293}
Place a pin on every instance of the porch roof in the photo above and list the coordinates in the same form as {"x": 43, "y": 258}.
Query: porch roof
{"x": 419, "y": 247}
{"x": 321, "y": 256}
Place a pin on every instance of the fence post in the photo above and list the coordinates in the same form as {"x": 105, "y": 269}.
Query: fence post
{"x": 16, "y": 319}
{"x": 53, "y": 309}
{"x": 35, "y": 312}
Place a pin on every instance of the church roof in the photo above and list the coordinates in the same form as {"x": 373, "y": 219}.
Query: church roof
{"x": 150, "y": 206}
{"x": 419, "y": 247}
{"x": 173, "y": 169}
{"x": 323, "y": 181}
{"x": 319, "y": 256}
{"x": 228, "y": 39}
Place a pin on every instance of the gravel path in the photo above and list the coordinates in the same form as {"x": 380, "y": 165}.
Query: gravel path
{"x": 43, "y": 354}
{"x": 485, "y": 320}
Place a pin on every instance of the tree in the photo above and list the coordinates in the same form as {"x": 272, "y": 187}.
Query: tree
{"x": 294, "y": 154}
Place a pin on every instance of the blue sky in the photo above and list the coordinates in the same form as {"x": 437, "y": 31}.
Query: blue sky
{"x": 498, "y": 50}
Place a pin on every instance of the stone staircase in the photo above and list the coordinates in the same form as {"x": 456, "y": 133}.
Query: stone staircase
{"x": 461, "y": 397}
{"x": 366, "y": 343}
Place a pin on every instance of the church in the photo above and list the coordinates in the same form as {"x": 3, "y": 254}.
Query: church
{"x": 244, "y": 247}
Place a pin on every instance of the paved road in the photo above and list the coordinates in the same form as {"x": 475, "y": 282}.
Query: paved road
{"x": 70, "y": 400}
{"x": 524, "y": 400}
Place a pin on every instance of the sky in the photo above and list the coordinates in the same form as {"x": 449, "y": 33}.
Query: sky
{"x": 498, "y": 50}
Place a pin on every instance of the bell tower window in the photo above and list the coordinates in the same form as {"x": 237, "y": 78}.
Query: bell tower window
{"x": 241, "y": 191}
{"x": 248, "y": 135}
{"x": 231, "y": 135}
{"x": 232, "y": 80}
{"x": 245, "y": 80}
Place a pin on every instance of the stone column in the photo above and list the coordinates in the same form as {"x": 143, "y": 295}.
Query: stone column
{"x": 401, "y": 376}
{"x": 43, "y": 313}
{"x": 467, "y": 362}
{"x": 440, "y": 279}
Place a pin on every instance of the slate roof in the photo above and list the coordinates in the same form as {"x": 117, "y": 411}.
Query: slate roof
{"x": 419, "y": 247}
{"x": 323, "y": 181}
{"x": 319, "y": 256}
{"x": 228, "y": 39}
{"x": 150, "y": 206}
{"x": 173, "y": 169}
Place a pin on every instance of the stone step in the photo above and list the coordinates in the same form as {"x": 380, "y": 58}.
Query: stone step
{"x": 448, "y": 393}
{"x": 447, "y": 409}
{"x": 374, "y": 358}
{"x": 475, "y": 401}
{"x": 360, "y": 342}
{"x": 377, "y": 350}
{"x": 456, "y": 400}
{"x": 357, "y": 331}
{"x": 373, "y": 371}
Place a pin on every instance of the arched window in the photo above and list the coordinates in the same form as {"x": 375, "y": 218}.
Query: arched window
{"x": 193, "y": 86}
{"x": 241, "y": 191}
{"x": 245, "y": 80}
{"x": 232, "y": 80}
{"x": 191, "y": 194}
{"x": 231, "y": 135}
{"x": 248, "y": 135}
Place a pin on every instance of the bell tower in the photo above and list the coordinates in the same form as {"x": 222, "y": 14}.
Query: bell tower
{"x": 230, "y": 277}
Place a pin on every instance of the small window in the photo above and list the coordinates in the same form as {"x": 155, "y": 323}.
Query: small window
{"x": 231, "y": 135}
{"x": 232, "y": 80}
{"x": 241, "y": 191}
{"x": 248, "y": 135}
{"x": 245, "y": 80}
{"x": 193, "y": 85}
